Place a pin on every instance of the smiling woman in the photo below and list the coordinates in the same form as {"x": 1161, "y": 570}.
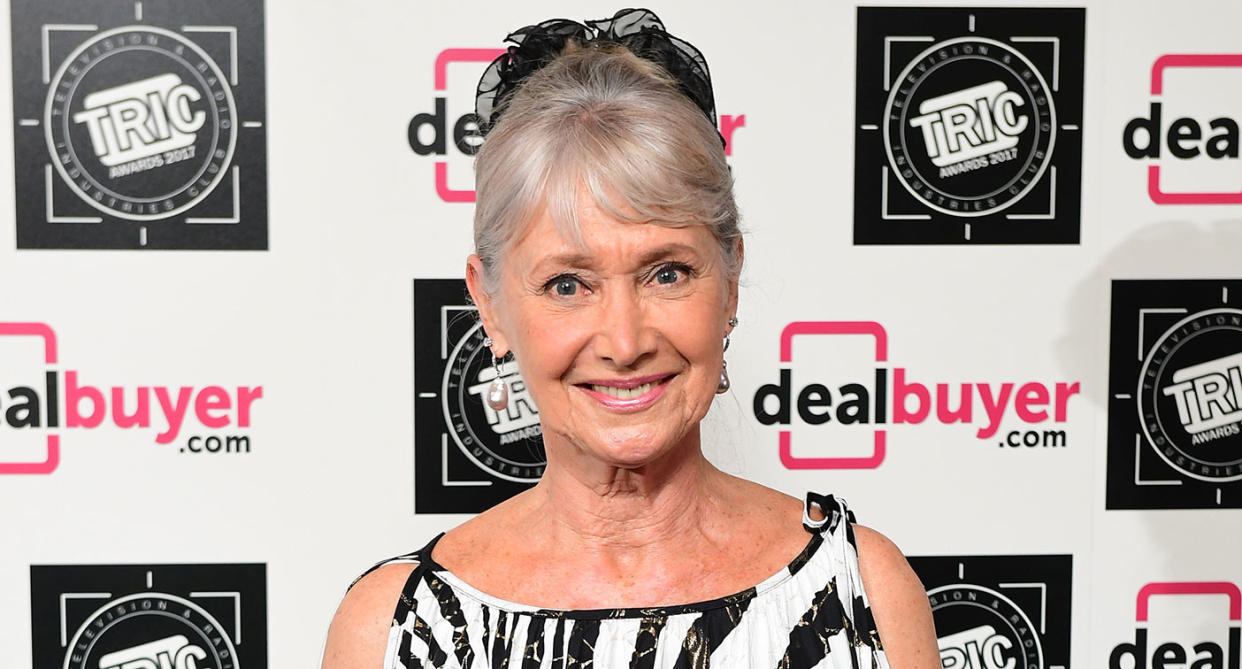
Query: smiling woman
{"x": 607, "y": 261}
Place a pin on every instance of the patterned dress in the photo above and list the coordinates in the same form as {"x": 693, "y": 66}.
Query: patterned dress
{"x": 813, "y": 613}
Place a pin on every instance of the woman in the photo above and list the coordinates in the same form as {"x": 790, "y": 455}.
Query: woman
{"x": 607, "y": 261}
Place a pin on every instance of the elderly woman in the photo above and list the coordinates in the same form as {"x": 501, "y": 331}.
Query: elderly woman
{"x": 607, "y": 261}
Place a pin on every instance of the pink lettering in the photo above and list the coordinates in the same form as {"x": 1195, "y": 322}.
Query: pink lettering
{"x": 994, "y": 407}
{"x": 1031, "y": 395}
{"x": 729, "y": 123}
{"x": 964, "y": 407}
{"x": 174, "y": 414}
{"x": 246, "y": 395}
{"x": 74, "y": 394}
{"x": 212, "y": 398}
{"x": 1064, "y": 391}
{"x": 902, "y": 390}
{"x": 142, "y": 414}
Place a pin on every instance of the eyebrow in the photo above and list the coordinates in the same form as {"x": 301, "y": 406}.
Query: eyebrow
{"x": 586, "y": 261}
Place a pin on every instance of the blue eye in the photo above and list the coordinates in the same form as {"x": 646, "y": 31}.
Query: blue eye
{"x": 564, "y": 286}
{"x": 669, "y": 274}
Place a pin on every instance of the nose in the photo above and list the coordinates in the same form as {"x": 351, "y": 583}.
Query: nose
{"x": 624, "y": 338}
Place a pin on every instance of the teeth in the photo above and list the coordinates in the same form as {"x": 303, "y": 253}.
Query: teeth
{"x": 623, "y": 393}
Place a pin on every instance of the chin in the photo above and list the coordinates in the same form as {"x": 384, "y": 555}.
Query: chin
{"x": 630, "y": 450}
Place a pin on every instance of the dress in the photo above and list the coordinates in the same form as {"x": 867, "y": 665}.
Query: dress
{"x": 813, "y": 613}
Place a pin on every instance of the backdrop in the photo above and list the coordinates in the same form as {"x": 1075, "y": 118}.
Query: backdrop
{"x": 993, "y": 298}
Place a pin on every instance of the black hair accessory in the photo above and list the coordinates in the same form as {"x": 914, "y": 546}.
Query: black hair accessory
{"x": 638, "y": 30}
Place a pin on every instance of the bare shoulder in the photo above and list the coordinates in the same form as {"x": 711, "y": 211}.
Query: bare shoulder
{"x": 898, "y": 602}
{"x": 358, "y": 635}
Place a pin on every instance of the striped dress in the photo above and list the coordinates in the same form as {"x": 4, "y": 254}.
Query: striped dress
{"x": 813, "y": 613}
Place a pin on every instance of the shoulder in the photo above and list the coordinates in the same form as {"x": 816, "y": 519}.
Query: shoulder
{"x": 898, "y": 601}
{"x": 358, "y": 636}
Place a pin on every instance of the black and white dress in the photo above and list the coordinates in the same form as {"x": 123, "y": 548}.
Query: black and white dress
{"x": 813, "y": 613}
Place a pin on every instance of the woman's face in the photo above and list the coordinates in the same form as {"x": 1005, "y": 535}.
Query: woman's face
{"x": 619, "y": 340}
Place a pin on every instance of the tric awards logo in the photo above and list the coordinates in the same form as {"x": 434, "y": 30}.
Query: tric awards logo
{"x": 1175, "y": 395}
{"x": 467, "y": 456}
{"x": 139, "y": 125}
{"x": 969, "y": 125}
{"x": 999, "y": 611}
{"x": 206, "y": 616}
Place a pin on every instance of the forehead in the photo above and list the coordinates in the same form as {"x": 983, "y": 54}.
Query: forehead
{"x": 606, "y": 240}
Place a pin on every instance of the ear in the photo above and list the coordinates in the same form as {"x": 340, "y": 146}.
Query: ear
{"x": 486, "y": 305}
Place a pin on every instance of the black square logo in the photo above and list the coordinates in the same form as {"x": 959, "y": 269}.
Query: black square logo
{"x": 207, "y": 616}
{"x": 139, "y": 125}
{"x": 467, "y": 456}
{"x": 1175, "y": 395}
{"x": 968, "y": 125}
{"x": 994, "y": 611}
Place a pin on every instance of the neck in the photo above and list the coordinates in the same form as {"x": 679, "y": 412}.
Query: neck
{"x": 626, "y": 513}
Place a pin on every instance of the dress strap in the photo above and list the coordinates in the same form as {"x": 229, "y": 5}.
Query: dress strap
{"x": 843, "y": 550}
{"x": 421, "y": 556}
{"x": 833, "y": 509}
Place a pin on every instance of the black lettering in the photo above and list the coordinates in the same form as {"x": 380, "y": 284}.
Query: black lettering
{"x": 1209, "y": 656}
{"x": 881, "y": 396}
{"x": 781, "y": 393}
{"x": 855, "y": 405}
{"x": 466, "y": 134}
{"x": 1136, "y": 650}
{"x": 811, "y": 397}
{"x": 1151, "y": 126}
{"x": 436, "y": 121}
{"x": 1168, "y": 653}
{"x": 28, "y": 410}
{"x": 1223, "y": 144}
{"x": 1184, "y": 135}
{"x": 53, "y": 399}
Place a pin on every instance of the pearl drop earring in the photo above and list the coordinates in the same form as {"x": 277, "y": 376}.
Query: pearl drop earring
{"x": 723, "y": 385}
{"x": 498, "y": 391}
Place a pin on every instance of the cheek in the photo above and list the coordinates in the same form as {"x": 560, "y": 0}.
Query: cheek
{"x": 694, "y": 332}
{"x": 547, "y": 346}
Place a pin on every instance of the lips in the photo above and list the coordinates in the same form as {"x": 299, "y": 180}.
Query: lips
{"x": 626, "y": 393}
{"x": 623, "y": 393}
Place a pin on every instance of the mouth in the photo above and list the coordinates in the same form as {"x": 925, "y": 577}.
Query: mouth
{"x": 627, "y": 393}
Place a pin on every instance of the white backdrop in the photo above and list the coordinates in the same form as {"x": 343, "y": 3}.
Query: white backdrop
{"x": 322, "y": 320}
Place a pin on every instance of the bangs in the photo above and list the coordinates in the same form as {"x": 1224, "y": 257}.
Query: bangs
{"x": 606, "y": 126}
{"x": 634, "y": 168}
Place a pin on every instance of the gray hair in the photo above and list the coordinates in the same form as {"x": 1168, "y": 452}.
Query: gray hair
{"x": 600, "y": 118}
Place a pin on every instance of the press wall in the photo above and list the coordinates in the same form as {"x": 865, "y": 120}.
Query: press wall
{"x": 992, "y": 297}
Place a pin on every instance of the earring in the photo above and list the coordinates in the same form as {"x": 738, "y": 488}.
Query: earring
{"x": 498, "y": 391}
{"x": 723, "y": 385}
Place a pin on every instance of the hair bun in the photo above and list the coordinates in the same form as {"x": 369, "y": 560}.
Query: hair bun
{"x": 638, "y": 30}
